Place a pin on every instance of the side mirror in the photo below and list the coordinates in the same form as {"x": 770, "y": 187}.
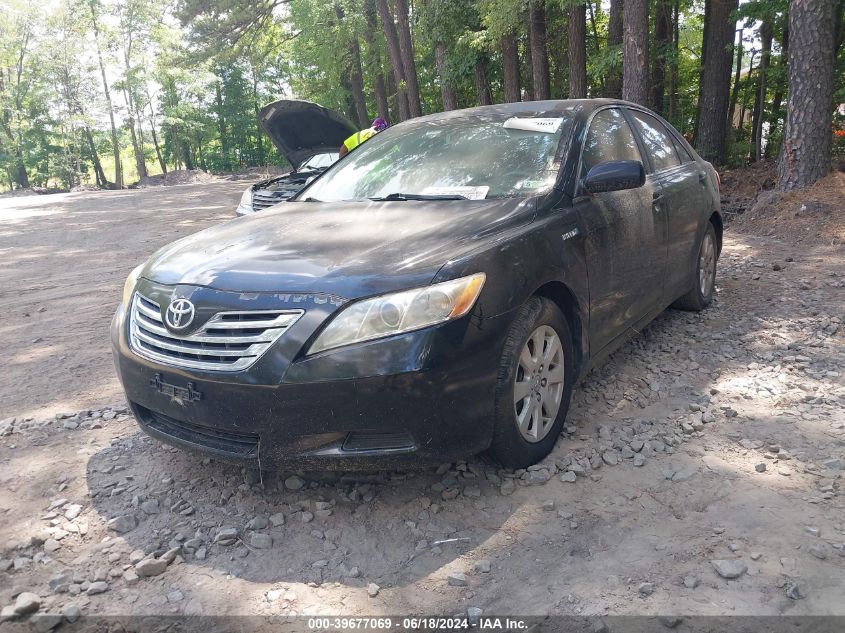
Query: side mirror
{"x": 614, "y": 175}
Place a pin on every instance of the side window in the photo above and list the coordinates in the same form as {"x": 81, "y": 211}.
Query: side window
{"x": 683, "y": 152}
{"x": 609, "y": 138}
{"x": 658, "y": 142}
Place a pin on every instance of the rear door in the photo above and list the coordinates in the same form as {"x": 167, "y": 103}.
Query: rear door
{"x": 622, "y": 235}
{"x": 680, "y": 186}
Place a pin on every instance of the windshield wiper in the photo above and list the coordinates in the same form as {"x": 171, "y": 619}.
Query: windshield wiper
{"x": 403, "y": 197}
{"x": 311, "y": 200}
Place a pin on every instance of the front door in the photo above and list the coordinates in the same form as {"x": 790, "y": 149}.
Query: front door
{"x": 625, "y": 236}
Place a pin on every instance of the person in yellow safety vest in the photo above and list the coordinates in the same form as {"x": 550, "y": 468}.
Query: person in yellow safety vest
{"x": 364, "y": 135}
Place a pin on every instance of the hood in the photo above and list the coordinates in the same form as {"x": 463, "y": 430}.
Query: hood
{"x": 349, "y": 249}
{"x": 301, "y": 129}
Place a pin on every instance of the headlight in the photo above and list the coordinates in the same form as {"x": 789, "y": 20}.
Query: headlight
{"x": 401, "y": 312}
{"x": 245, "y": 205}
{"x": 129, "y": 286}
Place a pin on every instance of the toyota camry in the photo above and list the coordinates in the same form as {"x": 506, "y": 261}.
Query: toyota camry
{"x": 435, "y": 294}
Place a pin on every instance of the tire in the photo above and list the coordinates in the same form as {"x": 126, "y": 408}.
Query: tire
{"x": 538, "y": 324}
{"x": 703, "y": 282}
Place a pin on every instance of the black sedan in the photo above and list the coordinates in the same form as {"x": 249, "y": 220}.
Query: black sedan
{"x": 435, "y": 294}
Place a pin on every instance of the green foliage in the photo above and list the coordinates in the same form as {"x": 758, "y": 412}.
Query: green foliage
{"x": 187, "y": 78}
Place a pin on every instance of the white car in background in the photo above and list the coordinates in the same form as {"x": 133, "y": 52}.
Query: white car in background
{"x": 308, "y": 136}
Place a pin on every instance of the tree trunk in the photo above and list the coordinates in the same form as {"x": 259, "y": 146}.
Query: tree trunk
{"x": 539, "y": 50}
{"x": 118, "y": 168}
{"x": 395, "y": 58}
{"x": 673, "y": 64}
{"x": 635, "y": 51}
{"x": 577, "y": 35}
{"x": 137, "y": 148}
{"x": 510, "y": 68}
{"x": 482, "y": 86}
{"x": 357, "y": 84}
{"x": 737, "y": 77}
{"x": 714, "y": 96}
{"x": 221, "y": 127}
{"x": 450, "y": 100}
{"x": 760, "y": 97}
{"x": 406, "y": 49}
{"x": 374, "y": 60}
{"x": 158, "y": 147}
{"x": 662, "y": 41}
{"x": 805, "y": 156}
{"x": 21, "y": 176}
{"x": 613, "y": 84}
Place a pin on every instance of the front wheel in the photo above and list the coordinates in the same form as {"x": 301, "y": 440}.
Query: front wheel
{"x": 534, "y": 385}
{"x": 703, "y": 281}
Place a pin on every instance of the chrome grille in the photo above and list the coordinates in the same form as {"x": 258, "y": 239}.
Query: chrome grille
{"x": 263, "y": 198}
{"x": 229, "y": 341}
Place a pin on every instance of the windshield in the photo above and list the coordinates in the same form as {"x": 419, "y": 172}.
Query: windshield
{"x": 319, "y": 161}
{"x": 476, "y": 157}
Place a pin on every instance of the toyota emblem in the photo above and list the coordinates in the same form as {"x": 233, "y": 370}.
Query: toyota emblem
{"x": 180, "y": 314}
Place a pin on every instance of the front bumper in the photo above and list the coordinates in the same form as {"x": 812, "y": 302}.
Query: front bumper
{"x": 419, "y": 397}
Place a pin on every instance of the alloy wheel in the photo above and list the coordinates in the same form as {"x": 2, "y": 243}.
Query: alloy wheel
{"x": 706, "y": 265}
{"x": 538, "y": 384}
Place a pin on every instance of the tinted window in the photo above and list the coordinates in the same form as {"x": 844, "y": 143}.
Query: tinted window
{"x": 683, "y": 152}
{"x": 658, "y": 142}
{"x": 609, "y": 138}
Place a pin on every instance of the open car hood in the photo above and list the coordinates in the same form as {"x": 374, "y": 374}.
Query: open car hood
{"x": 301, "y": 129}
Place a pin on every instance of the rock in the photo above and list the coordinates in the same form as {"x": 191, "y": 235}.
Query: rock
{"x": 833, "y": 464}
{"x": 175, "y": 596}
{"x": 151, "y": 567}
{"x": 44, "y": 622}
{"x": 294, "y": 483}
{"x": 259, "y": 540}
{"x": 507, "y": 488}
{"x": 611, "y": 458}
{"x": 277, "y": 520}
{"x": 307, "y": 517}
{"x": 71, "y": 612}
{"x": 818, "y": 551}
{"x": 450, "y": 493}
{"x": 537, "y": 477}
{"x": 136, "y": 556}
{"x": 51, "y": 545}
{"x": 670, "y": 621}
{"x": 72, "y": 511}
{"x": 122, "y": 524}
{"x": 61, "y": 582}
{"x": 26, "y": 603}
{"x": 258, "y": 523}
{"x": 474, "y": 492}
{"x": 691, "y": 582}
{"x": 645, "y": 589}
{"x": 457, "y": 579}
{"x": 130, "y": 577}
{"x": 812, "y": 530}
{"x": 729, "y": 567}
{"x": 793, "y": 589}
{"x": 568, "y": 477}
{"x": 101, "y": 586}
{"x": 474, "y": 615}
{"x": 756, "y": 555}
{"x": 548, "y": 505}
{"x": 760, "y": 468}
{"x": 150, "y": 506}
{"x": 639, "y": 460}
{"x": 482, "y": 566}
{"x": 373, "y": 589}
{"x": 226, "y": 536}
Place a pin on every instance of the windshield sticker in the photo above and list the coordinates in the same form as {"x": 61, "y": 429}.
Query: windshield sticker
{"x": 470, "y": 193}
{"x": 534, "y": 124}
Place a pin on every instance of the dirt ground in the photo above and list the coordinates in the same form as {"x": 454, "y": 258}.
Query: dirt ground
{"x": 700, "y": 473}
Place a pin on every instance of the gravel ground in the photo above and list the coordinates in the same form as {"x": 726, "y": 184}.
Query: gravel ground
{"x": 700, "y": 471}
